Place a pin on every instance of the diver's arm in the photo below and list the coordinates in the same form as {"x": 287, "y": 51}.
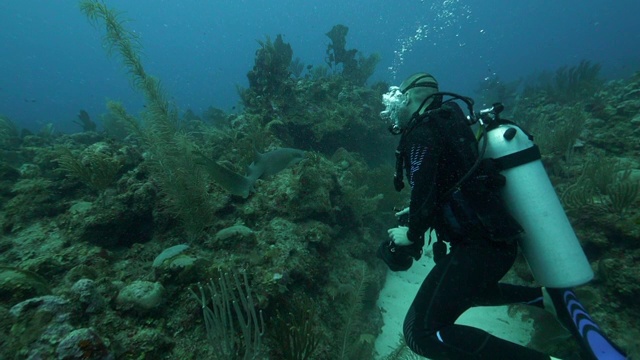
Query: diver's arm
{"x": 423, "y": 151}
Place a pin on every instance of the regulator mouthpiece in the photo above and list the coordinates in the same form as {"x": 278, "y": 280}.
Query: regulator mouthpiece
{"x": 393, "y": 101}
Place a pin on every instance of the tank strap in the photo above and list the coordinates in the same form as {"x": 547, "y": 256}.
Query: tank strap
{"x": 518, "y": 158}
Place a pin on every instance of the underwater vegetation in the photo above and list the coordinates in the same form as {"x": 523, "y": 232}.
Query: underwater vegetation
{"x": 84, "y": 121}
{"x": 126, "y": 243}
{"x": 119, "y": 229}
{"x": 232, "y": 306}
{"x": 96, "y": 168}
{"x": 272, "y": 66}
{"x": 567, "y": 84}
{"x": 9, "y": 134}
{"x": 171, "y": 160}
{"x": 355, "y": 70}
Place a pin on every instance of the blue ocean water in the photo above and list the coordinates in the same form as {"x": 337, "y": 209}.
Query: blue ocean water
{"x": 53, "y": 63}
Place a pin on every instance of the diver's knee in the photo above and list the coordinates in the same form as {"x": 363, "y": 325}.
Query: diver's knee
{"x": 424, "y": 343}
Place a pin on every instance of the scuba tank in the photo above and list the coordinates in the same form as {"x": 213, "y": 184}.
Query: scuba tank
{"x": 549, "y": 243}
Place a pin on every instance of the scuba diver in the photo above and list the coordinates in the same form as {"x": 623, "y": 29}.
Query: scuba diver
{"x": 484, "y": 194}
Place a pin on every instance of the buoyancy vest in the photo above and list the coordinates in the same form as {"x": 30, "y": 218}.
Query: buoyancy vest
{"x": 471, "y": 206}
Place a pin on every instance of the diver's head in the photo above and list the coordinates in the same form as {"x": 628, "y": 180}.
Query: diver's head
{"x": 410, "y": 100}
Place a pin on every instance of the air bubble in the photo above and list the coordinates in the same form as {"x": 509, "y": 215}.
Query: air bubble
{"x": 445, "y": 14}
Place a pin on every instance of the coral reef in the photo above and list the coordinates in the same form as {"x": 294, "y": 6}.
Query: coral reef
{"x": 322, "y": 112}
{"x": 107, "y": 238}
{"x": 111, "y": 232}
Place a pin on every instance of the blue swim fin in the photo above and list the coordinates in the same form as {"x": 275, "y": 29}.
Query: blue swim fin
{"x": 573, "y": 316}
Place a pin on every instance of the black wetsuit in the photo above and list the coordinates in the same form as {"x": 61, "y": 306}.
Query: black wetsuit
{"x": 437, "y": 153}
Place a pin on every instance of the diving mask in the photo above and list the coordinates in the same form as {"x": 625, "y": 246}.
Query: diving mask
{"x": 394, "y": 101}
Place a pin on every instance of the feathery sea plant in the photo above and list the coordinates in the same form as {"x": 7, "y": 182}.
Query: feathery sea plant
{"x": 119, "y": 113}
{"x": 186, "y": 185}
{"x": 567, "y": 84}
{"x": 352, "y": 344}
{"x": 295, "y": 332}
{"x": 96, "y": 170}
{"x": 604, "y": 180}
{"x": 573, "y": 83}
{"x": 170, "y": 159}
{"x": 557, "y": 138}
{"x": 401, "y": 351}
{"x": 113, "y": 126}
{"x": 127, "y": 44}
{"x": 622, "y": 194}
{"x": 601, "y": 171}
{"x": 234, "y": 326}
{"x": 578, "y": 196}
